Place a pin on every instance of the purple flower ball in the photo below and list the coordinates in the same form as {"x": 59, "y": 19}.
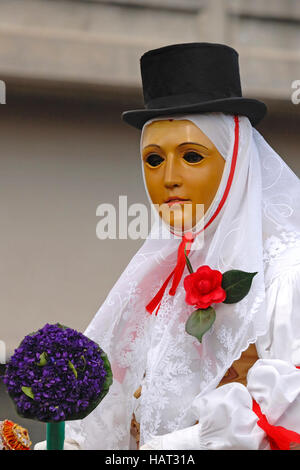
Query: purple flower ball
{"x": 57, "y": 374}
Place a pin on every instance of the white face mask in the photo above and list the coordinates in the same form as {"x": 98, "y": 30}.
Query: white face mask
{"x": 219, "y": 129}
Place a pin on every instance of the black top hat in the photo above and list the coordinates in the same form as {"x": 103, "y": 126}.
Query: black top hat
{"x": 192, "y": 78}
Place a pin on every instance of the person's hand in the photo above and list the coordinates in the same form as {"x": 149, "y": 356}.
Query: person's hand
{"x": 68, "y": 445}
{"x": 154, "y": 444}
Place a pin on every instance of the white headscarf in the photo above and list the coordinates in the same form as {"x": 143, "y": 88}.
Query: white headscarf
{"x": 260, "y": 205}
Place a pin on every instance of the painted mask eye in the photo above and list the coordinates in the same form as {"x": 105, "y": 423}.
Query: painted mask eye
{"x": 192, "y": 157}
{"x": 154, "y": 159}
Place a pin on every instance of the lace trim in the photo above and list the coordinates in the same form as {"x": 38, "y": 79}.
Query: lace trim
{"x": 275, "y": 246}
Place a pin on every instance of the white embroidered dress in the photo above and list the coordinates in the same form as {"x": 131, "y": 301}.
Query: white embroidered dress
{"x": 257, "y": 230}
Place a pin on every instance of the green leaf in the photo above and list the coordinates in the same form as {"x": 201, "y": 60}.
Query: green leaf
{"x": 200, "y": 322}
{"x": 84, "y": 360}
{"x": 43, "y": 359}
{"x": 72, "y": 368}
{"x": 28, "y": 391}
{"x": 188, "y": 263}
{"x": 236, "y": 284}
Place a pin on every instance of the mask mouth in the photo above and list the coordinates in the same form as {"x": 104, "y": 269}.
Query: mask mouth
{"x": 176, "y": 199}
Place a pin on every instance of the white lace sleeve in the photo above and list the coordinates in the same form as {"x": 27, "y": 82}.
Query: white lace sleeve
{"x": 226, "y": 422}
{"x": 226, "y": 419}
{"x": 282, "y": 340}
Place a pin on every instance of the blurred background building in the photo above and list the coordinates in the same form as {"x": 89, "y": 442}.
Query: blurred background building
{"x": 70, "y": 68}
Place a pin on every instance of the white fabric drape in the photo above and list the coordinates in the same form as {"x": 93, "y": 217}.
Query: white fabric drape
{"x": 256, "y": 231}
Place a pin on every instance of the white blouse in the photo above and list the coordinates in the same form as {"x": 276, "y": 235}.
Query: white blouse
{"x": 226, "y": 419}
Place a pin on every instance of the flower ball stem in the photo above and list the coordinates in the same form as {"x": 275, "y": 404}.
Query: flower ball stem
{"x": 55, "y": 436}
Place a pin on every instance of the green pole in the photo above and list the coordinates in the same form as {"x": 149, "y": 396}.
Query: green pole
{"x": 55, "y": 436}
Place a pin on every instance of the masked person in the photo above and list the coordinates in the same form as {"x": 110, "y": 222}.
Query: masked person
{"x": 239, "y": 388}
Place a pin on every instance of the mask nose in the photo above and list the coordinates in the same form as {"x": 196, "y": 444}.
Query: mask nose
{"x": 172, "y": 177}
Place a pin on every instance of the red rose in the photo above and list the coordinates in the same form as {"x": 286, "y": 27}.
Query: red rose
{"x": 203, "y": 287}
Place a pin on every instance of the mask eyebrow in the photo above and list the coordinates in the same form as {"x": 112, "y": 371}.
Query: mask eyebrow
{"x": 183, "y": 143}
{"x": 151, "y": 145}
{"x": 193, "y": 143}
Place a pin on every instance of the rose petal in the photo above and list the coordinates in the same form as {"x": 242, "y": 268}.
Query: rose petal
{"x": 218, "y": 295}
{"x": 201, "y": 304}
{"x": 204, "y": 272}
{"x": 217, "y": 278}
{"x": 204, "y": 286}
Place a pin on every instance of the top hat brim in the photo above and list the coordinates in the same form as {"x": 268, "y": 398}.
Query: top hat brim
{"x": 255, "y": 110}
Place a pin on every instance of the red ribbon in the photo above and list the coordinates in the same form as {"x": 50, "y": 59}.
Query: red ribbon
{"x": 231, "y": 173}
{"x": 279, "y": 437}
{"x": 186, "y": 243}
{"x": 189, "y": 238}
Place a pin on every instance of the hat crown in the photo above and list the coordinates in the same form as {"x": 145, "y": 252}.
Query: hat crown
{"x": 182, "y": 74}
{"x": 197, "y": 77}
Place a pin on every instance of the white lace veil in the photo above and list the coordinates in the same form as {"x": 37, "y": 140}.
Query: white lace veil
{"x": 262, "y": 203}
